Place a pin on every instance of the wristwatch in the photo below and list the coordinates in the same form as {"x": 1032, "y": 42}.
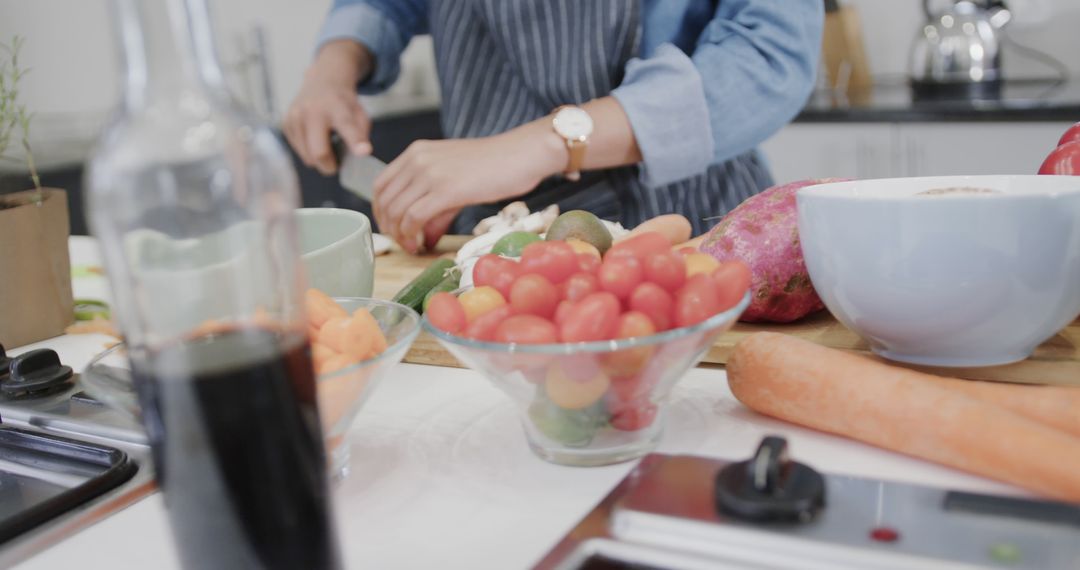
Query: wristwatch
{"x": 574, "y": 125}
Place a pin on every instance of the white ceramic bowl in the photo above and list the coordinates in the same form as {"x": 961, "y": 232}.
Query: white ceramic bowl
{"x": 337, "y": 251}
{"x": 947, "y": 280}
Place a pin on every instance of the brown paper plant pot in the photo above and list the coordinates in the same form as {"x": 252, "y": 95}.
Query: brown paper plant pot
{"x": 35, "y": 270}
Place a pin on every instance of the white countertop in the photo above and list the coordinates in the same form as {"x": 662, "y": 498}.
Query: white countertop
{"x": 441, "y": 475}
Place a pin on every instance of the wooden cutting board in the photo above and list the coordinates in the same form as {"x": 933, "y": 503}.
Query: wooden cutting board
{"x": 1057, "y": 361}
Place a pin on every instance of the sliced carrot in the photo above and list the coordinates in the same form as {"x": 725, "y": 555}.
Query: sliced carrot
{"x": 335, "y": 363}
{"x": 901, "y": 410}
{"x": 334, "y": 334}
{"x": 321, "y": 308}
{"x": 320, "y": 353}
{"x": 363, "y": 319}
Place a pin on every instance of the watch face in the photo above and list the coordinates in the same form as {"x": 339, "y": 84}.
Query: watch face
{"x": 573, "y": 123}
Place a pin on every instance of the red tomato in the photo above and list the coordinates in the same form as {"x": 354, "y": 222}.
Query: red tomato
{"x": 625, "y": 392}
{"x": 642, "y": 245}
{"x": 592, "y": 318}
{"x": 1065, "y": 159}
{"x": 1071, "y": 135}
{"x": 667, "y": 269}
{"x": 526, "y": 329}
{"x": 732, "y": 280}
{"x": 588, "y": 263}
{"x": 579, "y": 286}
{"x": 696, "y": 301}
{"x": 533, "y": 294}
{"x": 483, "y": 328}
{"x": 630, "y": 361}
{"x": 634, "y": 418}
{"x": 446, "y": 313}
{"x": 619, "y": 274}
{"x": 495, "y": 271}
{"x": 652, "y": 300}
{"x": 555, "y": 260}
{"x": 562, "y": 311}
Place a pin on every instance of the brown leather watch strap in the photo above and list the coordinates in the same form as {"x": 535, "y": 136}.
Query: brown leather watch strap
{"x": 576, "y": 150}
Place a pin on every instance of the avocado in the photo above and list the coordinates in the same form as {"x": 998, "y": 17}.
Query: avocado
{"x": 581, "y": 225}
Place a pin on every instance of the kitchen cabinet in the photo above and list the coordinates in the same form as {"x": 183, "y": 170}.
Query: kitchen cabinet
{"x": 884, "y": 150}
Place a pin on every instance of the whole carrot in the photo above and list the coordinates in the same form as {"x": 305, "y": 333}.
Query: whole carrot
{"x": 898, "y": 409}
{"x": 1055, "y": 406}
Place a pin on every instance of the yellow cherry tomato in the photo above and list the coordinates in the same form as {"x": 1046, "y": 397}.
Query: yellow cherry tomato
{"x": 480, "y": 300}
{"x": 581, "y": 246}
{"x": 571, "y": 394}
{"x": 700, "y": 263}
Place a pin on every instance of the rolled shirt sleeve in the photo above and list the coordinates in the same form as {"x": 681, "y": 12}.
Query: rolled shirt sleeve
{"x": 749, "y": 73}
{"x": 384, "y": 27}
{"x": 664, "y": 98}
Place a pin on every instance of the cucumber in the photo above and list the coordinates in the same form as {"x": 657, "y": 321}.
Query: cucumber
{"x": 448, "y": 285}
{"x": 412, "y": 295}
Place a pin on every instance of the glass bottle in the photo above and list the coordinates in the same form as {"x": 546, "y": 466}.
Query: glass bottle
{"x": 193, "y": 205}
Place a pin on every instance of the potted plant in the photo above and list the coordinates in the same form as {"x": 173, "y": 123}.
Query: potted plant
{"x": 35, "y": 271}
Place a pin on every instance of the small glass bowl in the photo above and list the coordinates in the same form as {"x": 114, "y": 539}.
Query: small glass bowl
{"x": 592, "y": 403}
{"x": 341, "y": 394}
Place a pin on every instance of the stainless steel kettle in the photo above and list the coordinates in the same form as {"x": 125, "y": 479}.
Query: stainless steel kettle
{"x": 958, "y": 51}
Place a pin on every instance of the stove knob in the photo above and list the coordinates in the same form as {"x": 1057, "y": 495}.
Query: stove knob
{"x": 769, "y": 487}
{"x": 35, "y": 371}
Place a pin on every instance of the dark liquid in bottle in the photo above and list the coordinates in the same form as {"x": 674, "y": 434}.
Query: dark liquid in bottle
{"x": 238, "y": 450}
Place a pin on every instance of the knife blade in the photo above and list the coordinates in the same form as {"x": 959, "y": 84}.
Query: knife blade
{"x": 356, "y": 174}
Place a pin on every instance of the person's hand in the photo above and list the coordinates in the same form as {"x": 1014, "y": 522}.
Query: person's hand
{"x": 327, "y": 101}
{"x": 418, "y": 195}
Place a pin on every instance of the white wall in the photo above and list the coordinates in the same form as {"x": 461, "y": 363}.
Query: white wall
{"x": 889, "y": 26}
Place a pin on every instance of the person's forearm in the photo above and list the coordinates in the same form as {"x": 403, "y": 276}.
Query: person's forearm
{"x": 345, "y": 61}
{"x": 612, "y": 142}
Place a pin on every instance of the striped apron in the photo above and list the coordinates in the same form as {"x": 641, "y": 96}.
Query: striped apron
{"x": 503, "y": 63}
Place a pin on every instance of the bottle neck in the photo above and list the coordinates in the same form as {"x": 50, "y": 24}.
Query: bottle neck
{"x": 167, "y": 48}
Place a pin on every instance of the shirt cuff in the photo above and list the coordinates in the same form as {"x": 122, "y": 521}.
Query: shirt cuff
{"x": 664, "y": 98}
{"x": 379, "y": 34}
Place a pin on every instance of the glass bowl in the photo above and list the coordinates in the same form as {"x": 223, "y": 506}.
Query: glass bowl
{"x": 592, "y": 403}
{"x": 341, "y": 394}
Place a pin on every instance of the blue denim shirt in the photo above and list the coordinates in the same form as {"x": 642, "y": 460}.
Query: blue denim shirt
{"x": 714, "y": 78}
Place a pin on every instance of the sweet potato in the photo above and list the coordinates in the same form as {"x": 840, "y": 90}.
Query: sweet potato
{"x": 901, "y": 410}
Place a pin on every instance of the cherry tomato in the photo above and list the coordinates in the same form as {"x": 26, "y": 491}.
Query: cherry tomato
{"x": 446, "y": 313}
{"x": 666, "y": 269}
{"x": 1064, "y": 160}
{"x": 700, "y": 264}
{"x": 533, "y": 294}
{"x": 579, "y": 286}
{"x": 494, "y": 271}
{"x": 619, "y": 274}
{"x": 555, "y": 260}
{"x": 562, "y": 311}
{"x": 1071, "y": 135}
{"x": 630, "y": 361}
{"x": 696, "y": 301}
{"x": 634, "y": 418}
{"x": 592, "y": 318}
{"x": 588, "y": 263}
{"x": 571, "y": 393}
{"x": 483, "y": 328}
{"x": 480, "y": 300}
{"x": 642, "y": 245}
{"x": 652, "y": 300}
{"x": 732, "y": 280}
{"x": 581, "y": 246}
{"x": 526, "y": 329}
{"x": 625, "y": 392}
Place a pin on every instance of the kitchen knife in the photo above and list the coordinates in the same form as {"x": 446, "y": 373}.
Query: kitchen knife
{"x": 356, "y": 174}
